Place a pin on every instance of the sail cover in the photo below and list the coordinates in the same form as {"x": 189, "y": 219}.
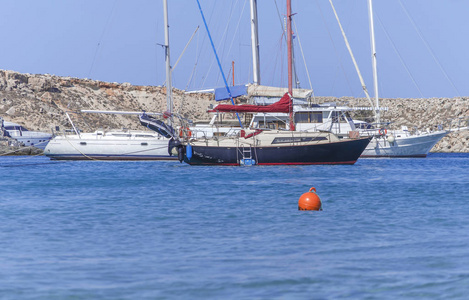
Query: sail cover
{"x": 236, "y": 91}
{"x": 281, "y": 106}
{"x": 156, "y": 125}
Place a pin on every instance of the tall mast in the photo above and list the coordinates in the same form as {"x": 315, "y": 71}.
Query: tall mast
{"x": 289, "y": 43}
{"x": 373, "y": 59}
{"x": 255, "y": 44}
{"x": 290, "y": 63}
{"x": 169, "y": 88}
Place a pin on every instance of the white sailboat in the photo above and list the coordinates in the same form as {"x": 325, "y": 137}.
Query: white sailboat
{"x": 396, "y": 143}
{"x": 121, "y": 144}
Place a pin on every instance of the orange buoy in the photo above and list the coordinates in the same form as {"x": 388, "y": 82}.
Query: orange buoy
{"x": 310, "y": 201}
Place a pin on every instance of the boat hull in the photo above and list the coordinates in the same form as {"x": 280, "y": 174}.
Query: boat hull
{"x": 69, "y": 148}
{"x": 409, "y": 146}
{"x": 341, "y": 152}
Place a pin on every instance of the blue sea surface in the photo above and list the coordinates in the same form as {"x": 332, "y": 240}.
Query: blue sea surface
{"x": 389, "y": 229}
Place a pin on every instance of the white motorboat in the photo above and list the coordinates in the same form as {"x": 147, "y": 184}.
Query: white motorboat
{"x": 24, "y": 136}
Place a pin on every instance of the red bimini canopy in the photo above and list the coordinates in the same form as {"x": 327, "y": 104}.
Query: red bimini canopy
{"x": 282, "y": 106}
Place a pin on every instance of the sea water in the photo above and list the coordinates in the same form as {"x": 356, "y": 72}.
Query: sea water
{"x": 389, "y": 229}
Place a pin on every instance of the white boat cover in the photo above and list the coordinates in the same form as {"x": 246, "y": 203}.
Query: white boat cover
{"x": 271, "y": 91}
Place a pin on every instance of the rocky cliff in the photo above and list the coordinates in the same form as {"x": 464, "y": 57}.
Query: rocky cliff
{"x": 39, "y": 102}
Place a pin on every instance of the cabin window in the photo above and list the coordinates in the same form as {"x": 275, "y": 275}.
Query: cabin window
{"x": 272, "y": 125}
{"x": 316, "y": 117}
{"x": 144, "y": 136}
{"x": 338, "y": 117}
{"x": 284, "y": 140}
{"x": 308, "y": 117}
{"x": 121, "y": 135}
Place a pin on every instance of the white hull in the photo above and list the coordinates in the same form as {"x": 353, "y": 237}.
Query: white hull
{"x": 404, "y": 146}
{"x": 39, "y": 141}
{"x": 25, "y": 137}
{"x": 113, "y": 145}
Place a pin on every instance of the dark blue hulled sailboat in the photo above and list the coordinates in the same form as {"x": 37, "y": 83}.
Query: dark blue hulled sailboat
{"x": 270, "y": 147}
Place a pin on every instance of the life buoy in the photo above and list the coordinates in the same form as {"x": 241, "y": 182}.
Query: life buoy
{"x": 187, "y": 130}
{"x": 383, "y": 131}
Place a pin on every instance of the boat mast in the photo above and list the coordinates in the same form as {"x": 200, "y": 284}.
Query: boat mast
{"x": 373, "y": 59}
{"x": 255, "y": 44}
{"x": 169, "y": 96}
{"x": 290, "y": 63}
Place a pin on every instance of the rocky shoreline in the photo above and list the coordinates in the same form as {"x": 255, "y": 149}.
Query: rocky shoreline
{"x": 39, "y": 102}
{"x": 9, "y": 147}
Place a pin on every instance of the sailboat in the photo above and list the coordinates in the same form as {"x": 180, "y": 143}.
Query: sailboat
{"x": 271, "y": 147}
{"x": 337, "y": 119}
{"x": 121, "y": 144}
{"x": 396, "y": 143}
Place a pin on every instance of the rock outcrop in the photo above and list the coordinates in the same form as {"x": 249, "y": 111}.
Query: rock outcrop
{"x": 39, "y": 102}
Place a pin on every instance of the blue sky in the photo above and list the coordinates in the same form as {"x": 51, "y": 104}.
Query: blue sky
{"x": 119, "y": 41}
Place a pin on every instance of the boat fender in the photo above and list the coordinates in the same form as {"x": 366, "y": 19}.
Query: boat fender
{"x": 189, "y": 151}
{"x": 383, "y": 131}
{"x": 310, "y": 201}
{"x": 181, "y": 154}
{"x": 391, "y": 138}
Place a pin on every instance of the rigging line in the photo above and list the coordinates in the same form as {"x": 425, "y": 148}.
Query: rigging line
{"x": 429, "y": 48}
{"x": 352, "y": 56}
{"x": 218, "y": 61}
{"x": 282, "y": 20}
{"x": 184, "y": 50}
{"x": 202, "y": 80}
{"x": 281, "y": 39}
{"x": 183, "y": 100}
{"x": 194, "y": 69}
{"x": 341, "y": 66}
{"x": 237, "y": 26}
{"x": 219, "y": 46}
{"x": 101, "y": 38}
{"x": 303, "y": 55}
{"x": 236, "y": 30}
{"x": 400, "y": 56}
